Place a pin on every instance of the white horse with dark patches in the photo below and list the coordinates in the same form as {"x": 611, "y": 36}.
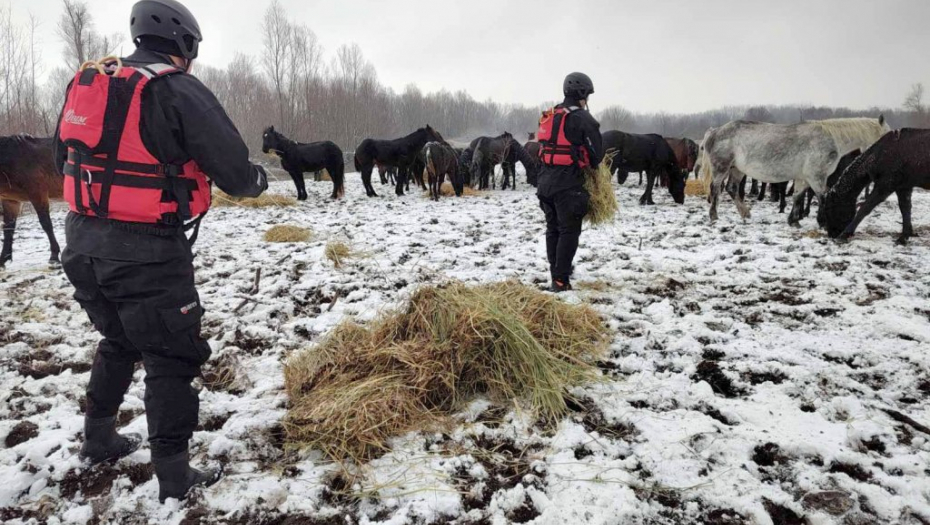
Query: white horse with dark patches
{"x": 806, "y": 153}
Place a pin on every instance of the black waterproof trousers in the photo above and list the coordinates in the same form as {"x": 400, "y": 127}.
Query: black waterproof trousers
{"x": 564, "y": 212}
{"x": 149, "y": 312}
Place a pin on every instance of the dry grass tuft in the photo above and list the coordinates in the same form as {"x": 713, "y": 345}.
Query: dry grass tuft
{"x": 412, "y": 368}
{"x": 288, "y": 233}
{"x": 264, "y": 200}
{"x": 603, "y": 206}
{"x": 695, "y": 188}
{"x": 337, "y": 252}
{"x": 814, "y": 234}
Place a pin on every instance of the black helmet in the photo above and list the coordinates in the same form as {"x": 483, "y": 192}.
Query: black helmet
{"x": 168, "y": 20}
{"x": 578, "y": 85}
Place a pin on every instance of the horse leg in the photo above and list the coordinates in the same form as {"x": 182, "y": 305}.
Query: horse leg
{"x": 301, "y": 186}
{"x": 736, "y": 187}
{"x": 11, "y": 211}
{"x": 640, "y": 178}
{"x": 782, "y": 191}
{"x": 401, "y": 181}
{"x": 762, "y": 189}
{"x": 45, "y": 220}
{"x": 646, "y": 199}
{"x": 797, "y": 209}
{"x": 754, "y": 190}
{"x": 904, "y": 203}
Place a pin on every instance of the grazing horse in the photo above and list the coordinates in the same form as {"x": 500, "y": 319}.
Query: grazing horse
{"x": 629, "y": 153}
{"x": 400, "y": 153}
{"x": 28, "y": 174}
{"x": 768, "y": 153}
{"x": 298, "y": 158}
{"x": 897, "y": 163}
{"x": 532, "y": 149}
{"x": 686, "y": 153}
{"x": 530, "y": 163}
{"x": 465, "y": 159}
{"x": 806, "y": 153}
{"x": 488, "y": 153}
{"x": 441, "y": 160}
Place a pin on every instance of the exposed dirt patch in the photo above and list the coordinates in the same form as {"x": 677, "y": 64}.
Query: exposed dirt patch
{"x": 21, "y": 433}
{"x": 41, "y": 369}
{"x": 780, "y": 514}
{"x": 856, "y": 472}
{"x": 710, "y": 372}
{"x": 767, "y": 455}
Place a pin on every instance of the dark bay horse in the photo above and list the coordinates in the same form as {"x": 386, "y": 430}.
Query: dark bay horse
{"x": 686, "y": 153}
{"x": 28, "y": 174}
{"x": 299, "y": 158}
{"x": 532, "y": 149}
{"x": 629, "y": 153}
{"x": 897, "y": 163}
{"x": 441, "y": 160}
{"x": 400, "y": 153}
{"x": 488, "y": 152}
{"x": 530, "y": 163}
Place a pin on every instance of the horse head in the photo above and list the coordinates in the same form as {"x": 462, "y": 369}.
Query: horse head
{"x": 434, "y": 135}
{"x": 676, "y": 183}
{"x": 271, "y": 140}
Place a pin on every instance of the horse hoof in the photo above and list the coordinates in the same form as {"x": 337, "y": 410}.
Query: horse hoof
{"x": 901, "y": 241}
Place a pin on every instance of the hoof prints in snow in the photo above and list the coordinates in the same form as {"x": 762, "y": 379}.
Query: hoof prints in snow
{"x": 753, "y": 375}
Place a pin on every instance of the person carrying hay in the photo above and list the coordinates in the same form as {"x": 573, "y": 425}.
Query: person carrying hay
{"x": 140, "y": 142}
{"x": 570, "y": 142}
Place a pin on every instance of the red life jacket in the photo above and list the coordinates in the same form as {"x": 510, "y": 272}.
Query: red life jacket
{"x": 109, "y": 172}
{"x": 554, "y": 147}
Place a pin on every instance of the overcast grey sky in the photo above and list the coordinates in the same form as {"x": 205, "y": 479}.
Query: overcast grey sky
{"x": 647, "y": 55}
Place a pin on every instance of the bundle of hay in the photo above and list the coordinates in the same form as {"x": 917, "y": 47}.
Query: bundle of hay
{"x": 337, "y": 252}
{"x": 446, "y": 190}
{"x": 603, "y": 206}
{"x": 288, "y": 233}
{"x": 412, "y": 368}
{"x": 264, "y": 200}
{"x": 695, "y": 188}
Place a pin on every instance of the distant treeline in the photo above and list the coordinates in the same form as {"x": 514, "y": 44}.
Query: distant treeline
{"x": 308, "y": 97}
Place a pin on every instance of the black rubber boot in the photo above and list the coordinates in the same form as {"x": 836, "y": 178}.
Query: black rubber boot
{"x": 176, "y": 477}
{"x": 561, "y": 286}
{"x": 102, "y": 443}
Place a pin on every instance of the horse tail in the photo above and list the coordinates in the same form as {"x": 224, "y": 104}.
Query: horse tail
{"x": 338, "y": 176}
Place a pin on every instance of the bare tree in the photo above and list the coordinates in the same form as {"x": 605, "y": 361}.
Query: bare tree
{"x": 616, "y": 117}
{"x": 82, "y": 41}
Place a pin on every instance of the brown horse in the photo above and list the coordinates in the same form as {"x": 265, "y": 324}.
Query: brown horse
{"x": 686, "y": 153}
{"x": 28, "y": 174}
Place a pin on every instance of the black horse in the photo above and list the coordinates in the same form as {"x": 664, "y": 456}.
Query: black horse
{"x": 629, "y": 153}
{"x": 400, "y": 153}
{"x": 897, "y": 163}
{"x": 441, "y": 160}
{"x": 298, "y": 158}
{"x": 388, "y": 174}
{"x": 465, "y": 159}
{"x": 488, "y": 153}
{"x": 530, "y": 163}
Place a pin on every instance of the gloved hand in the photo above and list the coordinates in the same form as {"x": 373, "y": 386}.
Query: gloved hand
{"x": 262, "y": 181}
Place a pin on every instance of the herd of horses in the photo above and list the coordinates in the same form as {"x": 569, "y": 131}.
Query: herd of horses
{"x": 834, "y": 160}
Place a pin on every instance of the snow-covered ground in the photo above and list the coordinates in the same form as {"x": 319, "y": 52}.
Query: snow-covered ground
{"x": 749, "y": 375}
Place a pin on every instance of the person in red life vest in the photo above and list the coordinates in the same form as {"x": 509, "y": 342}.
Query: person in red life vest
{"x": 570, "y": 141}
{"x": 141, "y": 141}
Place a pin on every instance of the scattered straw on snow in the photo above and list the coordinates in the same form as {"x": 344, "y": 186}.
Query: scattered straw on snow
{"x": 288, "y": 233}
{"x": 264, "y": 200}
{"x": 412, "y": 368}
{"x": 337, "y": 252}
{"x": 603, "y": 206}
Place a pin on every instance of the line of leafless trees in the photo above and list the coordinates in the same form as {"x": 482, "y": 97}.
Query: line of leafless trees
{"x": 294, "y": 85}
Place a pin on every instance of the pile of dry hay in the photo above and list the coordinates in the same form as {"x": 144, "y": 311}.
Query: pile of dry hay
{"x": 695, "y": 188}
{"x": 412, "y": 368}
{"x": 603, "y": 206}
{"x": 288, "y": 233}
{"x": 446, "y": 190}
{"x": 264, "y": 200}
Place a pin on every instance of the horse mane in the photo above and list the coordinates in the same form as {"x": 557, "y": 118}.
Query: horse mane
{"x": 851, "y": 133}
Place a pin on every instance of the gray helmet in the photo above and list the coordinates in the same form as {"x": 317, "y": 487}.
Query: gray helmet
{"x": 166, "y": 19}
{"x": 578, "y": 85}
